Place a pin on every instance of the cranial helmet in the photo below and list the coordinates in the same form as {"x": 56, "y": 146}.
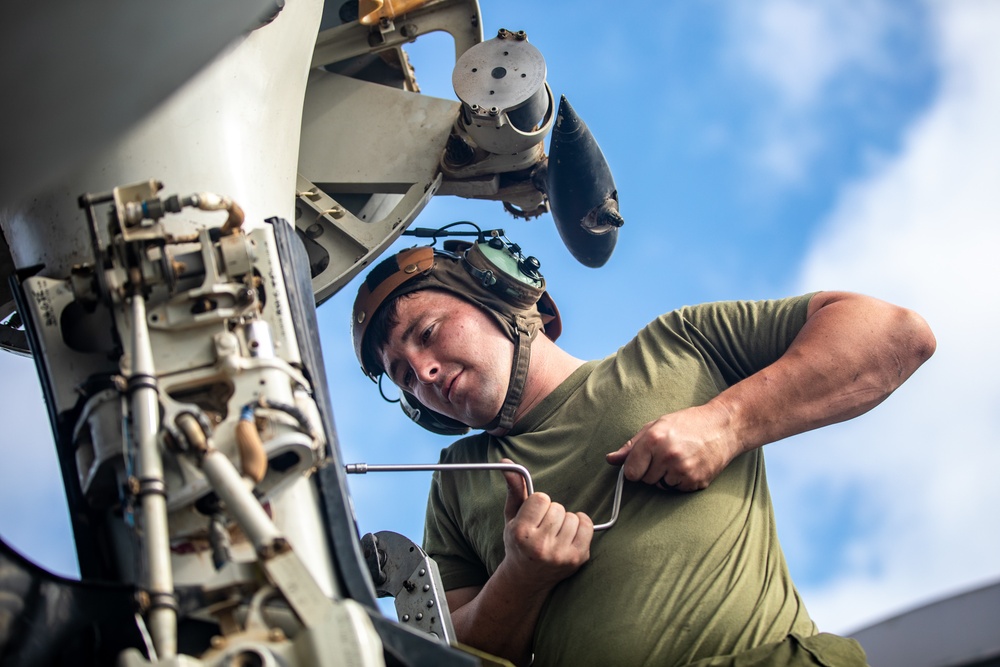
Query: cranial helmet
{"x": 492, "y": 274}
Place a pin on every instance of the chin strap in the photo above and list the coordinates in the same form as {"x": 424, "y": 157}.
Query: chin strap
{"x": 503, "y": 422}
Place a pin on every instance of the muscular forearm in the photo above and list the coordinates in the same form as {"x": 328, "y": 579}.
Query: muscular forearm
{"x": 543, "y": 545}
{"x": 851, "y": 354}
{"x": 500, "y": 619}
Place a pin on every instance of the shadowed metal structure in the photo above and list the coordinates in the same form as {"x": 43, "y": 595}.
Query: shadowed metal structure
{"x": 958, "y": 631}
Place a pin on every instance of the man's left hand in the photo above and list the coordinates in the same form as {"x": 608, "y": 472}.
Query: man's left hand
{"x": 683, "y": 450}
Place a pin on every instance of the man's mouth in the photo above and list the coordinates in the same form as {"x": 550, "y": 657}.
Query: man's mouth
{"x": 448, "y": 387}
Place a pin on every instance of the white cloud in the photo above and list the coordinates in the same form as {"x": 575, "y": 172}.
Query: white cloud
{"x": 798, "y": 48}
{"x": 922, "y": 232}
{"x": 796, "y": 52}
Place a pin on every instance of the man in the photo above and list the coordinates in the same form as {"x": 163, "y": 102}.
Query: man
{"x": 692, "y": 573}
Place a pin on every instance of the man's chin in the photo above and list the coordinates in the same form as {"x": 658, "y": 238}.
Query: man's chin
{"x": 475, "y": 422}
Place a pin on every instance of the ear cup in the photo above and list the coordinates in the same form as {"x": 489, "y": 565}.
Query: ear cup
{"x": 434, "y": 422}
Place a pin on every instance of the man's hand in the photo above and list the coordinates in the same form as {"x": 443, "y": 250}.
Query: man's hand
{"x": 544, "y": 543}
{"x": 852, "y": 352}
{"x": 684, "y": 450}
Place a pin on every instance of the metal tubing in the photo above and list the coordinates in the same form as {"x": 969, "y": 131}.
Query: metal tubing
{"x": 362, "y": 468}
{"x": 240, "y": 501}
{"x": 149, "y": 469}
{"x": 616, "y": 503}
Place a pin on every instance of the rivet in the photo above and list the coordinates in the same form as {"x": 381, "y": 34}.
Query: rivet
{"x": 406, "y": 617}
{"x": 409, "y": 268}
{"x": 430, "y": 603}
{"x": 423, "y": 572}
{"x": 419, "y": 617}
{"x": 427, "y": 587}
{"x": 361, "y": 316}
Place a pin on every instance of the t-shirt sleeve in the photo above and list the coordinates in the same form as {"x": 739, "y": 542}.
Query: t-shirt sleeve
{"x": 743, "y": 337}
{"x": 445, "y": 542}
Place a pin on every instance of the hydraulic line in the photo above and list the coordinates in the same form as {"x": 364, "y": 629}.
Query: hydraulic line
{"x": 281, "y": 564}
{"x": 362, "y": 468}
{"x": 152, "y": 489}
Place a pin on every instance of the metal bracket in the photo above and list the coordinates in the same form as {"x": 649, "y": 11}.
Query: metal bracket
{"x": 459, "y": 18}
{"x": 352, "y": 243}
{"x": 403, "y": 571}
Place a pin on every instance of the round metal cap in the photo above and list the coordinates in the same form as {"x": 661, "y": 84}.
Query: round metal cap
{"x": 500, "y": 73}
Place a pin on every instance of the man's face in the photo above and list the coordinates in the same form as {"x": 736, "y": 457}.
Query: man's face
{"x": 451, "y": 355}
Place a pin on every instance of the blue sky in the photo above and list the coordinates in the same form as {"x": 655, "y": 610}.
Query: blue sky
{"x": 760, "y": 149}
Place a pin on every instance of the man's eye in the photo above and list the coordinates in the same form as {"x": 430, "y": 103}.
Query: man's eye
{"x": 426, "y": 335}
{"x": 407, "y": 378}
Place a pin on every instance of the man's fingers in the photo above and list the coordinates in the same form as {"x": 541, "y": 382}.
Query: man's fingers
{"x": 638, "y": 462}
{"x": 517, "y": 493}
{"x": 621, "y": 456}
{"x": 584, "y": 531}
{"x": 618, "y": 457}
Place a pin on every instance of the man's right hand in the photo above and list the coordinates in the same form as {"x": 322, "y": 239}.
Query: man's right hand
{"x": 544, "y": 543}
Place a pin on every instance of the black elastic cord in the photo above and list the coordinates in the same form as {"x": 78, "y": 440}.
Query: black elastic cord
{"x": 384, "y": 397}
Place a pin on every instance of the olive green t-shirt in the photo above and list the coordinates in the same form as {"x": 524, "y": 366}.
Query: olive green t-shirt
{"x": 681, "y": 576}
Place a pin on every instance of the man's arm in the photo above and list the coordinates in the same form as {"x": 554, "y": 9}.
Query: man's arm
{"x": 544, "y": 544}
{"x": 852, "y": 352}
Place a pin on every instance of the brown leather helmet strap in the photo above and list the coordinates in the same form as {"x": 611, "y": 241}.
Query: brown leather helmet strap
{"x": 515, "y": 388}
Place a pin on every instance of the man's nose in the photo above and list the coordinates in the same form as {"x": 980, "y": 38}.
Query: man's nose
{"x": 426, "y": 369}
